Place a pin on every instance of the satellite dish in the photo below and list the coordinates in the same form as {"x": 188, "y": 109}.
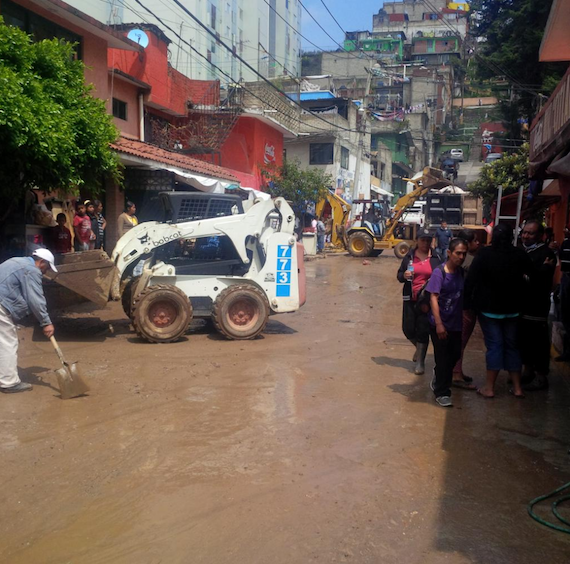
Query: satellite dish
{"x": 139, "y": 36}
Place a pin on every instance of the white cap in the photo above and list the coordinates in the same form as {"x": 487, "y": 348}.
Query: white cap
{"x": 46, "y": 255}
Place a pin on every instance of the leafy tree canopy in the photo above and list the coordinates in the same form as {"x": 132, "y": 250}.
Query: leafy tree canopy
{"x": 53, "y": 133}
{"x": 511, "y": 172}
{"x": 513, "y": 30}
{"x": 298, "y": 186}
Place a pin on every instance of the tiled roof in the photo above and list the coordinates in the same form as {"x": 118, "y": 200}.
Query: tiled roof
{"x": 156, "y": 154}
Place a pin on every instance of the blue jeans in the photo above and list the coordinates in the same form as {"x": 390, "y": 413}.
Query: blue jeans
{"x": 320, "y": 242}
{"x": 501, "y": 342}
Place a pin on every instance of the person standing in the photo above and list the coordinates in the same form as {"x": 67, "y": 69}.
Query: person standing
{"x": 565, "y": 295}
{"x": 320, "y": 236}
{"x": 461, "y": 380}
{"x": 446, "y": 319}
{"x": 414, "y": 272}
{"x": 94, "y": 237}
{"x": 127, "y": 220}
{"x": 534, "y": 337}
{"x": 21, "y": 293}
{"x": 82, "y": 228}
{"x": 442, "y": 237}
{"x": 101, "y": 223}
{"x": 61, "y": 236}
{"x": 496, "y": 286}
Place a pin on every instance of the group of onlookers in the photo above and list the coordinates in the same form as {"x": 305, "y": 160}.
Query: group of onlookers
{"x": 89, "y": 227}
{"x": 451, "y": 284}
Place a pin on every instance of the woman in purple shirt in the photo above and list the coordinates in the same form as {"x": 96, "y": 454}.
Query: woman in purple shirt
{"x": 446, "y": 319}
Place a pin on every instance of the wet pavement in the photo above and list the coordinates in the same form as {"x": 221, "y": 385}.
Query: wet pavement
{"x": 314, "y": 443}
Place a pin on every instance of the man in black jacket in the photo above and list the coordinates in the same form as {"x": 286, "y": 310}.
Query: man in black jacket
{"x": 533, "y": 329}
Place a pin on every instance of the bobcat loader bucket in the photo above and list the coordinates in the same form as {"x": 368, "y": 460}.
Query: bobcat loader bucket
{"x": 82, "y": 277}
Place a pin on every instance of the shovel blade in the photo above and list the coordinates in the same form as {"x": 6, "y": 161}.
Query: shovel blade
{"x": 71, "y": 384}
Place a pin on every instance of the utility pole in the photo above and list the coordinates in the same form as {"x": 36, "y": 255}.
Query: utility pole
{"x": 362, "y": 134}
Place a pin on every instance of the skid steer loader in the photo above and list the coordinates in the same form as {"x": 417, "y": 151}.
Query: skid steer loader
{"x": 202, "y": 262}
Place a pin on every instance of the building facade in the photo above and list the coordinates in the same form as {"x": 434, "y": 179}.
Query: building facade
{"x": 264, "y": 34}
{"x": 337, "y": 143}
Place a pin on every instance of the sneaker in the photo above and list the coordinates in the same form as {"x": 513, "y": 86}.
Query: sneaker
{"x": 444, "y": 401}
{"x": 21, "y": 387}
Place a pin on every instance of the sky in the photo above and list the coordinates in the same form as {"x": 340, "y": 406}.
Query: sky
{"x": 351, "y": 15}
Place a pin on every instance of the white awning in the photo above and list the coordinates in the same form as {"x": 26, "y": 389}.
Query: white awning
{"x": 380, "y": 191}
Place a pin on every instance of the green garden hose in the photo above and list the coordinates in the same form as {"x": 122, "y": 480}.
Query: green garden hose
{"x": 555, "y": 505}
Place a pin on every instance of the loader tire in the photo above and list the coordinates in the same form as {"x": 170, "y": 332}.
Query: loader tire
{"x": 240, "y": 312}
{"x": 127, "y": 297}
{"x": 360, "y": 244}
{"x": 161, "y": 313}
{"x": 402, "y": 249}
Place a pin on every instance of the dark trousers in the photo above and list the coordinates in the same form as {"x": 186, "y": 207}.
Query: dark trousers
{"x": 534, "y": 345}
{"x": 446, "y": 352}
{"x": 415, "y": 324}
{"x": 565, "y": 309}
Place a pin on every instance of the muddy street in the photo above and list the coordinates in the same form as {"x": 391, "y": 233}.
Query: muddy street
{"x": 314, "y": 443}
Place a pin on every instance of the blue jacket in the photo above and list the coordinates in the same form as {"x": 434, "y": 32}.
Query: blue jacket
{"x": 21, "y": 290}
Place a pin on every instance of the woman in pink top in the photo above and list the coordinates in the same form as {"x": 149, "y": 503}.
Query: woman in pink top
{"x": 414, "y": 272}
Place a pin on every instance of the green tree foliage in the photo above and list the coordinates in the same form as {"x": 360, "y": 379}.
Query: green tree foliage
{"x": 54, "y": 135}
{"x": 513, "y": 30}
{"x": 511, "y": 172}
{"x": 298, "y": 186}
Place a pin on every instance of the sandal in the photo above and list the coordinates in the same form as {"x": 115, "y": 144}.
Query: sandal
{"x": 467, "y": 379}
{"x": 485, "y": 396}
{"x": 463, "y": 384}
{"x": 518, "y": 396}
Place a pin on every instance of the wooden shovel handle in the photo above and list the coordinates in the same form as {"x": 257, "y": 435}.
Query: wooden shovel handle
{"x": 57, "y": 349}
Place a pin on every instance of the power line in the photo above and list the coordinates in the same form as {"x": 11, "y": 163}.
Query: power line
{"x": 484, "y": 61}
{"x": 324, "y": 30}
{"x": 330, "y": 14}
{"x": 331, "y": 125}
{"x": 267, "y": 81}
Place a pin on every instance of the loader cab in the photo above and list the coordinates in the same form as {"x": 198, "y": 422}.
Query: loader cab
{"x": 177, "y": 207}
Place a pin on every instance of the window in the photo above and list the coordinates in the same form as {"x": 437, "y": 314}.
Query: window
{"x": 213, "y": 16}
{"x": 321, "y": 153}
{"x": 37, "y": 26}
{"x": 344, "y": 156}
{"x": 119, "y": 109}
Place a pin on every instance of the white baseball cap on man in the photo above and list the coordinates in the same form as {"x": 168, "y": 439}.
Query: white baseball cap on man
{"x": 46, "y": 255}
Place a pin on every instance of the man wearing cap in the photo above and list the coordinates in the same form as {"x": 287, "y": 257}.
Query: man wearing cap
{"x": 21, "y": 293}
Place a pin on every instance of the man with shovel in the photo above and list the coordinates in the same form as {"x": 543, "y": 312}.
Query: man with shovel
{"x": 21, "y": 293}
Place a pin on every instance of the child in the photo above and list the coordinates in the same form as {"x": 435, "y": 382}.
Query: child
{"x": 82, "y": 228}
{"x": 61, "y": 236}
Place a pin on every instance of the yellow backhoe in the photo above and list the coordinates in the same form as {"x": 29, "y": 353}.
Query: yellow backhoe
{"x": 361, "y": 241}
{"x": 338, "y": 213}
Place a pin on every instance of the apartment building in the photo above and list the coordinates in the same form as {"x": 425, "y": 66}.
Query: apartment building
{"x": 261, "y": 32}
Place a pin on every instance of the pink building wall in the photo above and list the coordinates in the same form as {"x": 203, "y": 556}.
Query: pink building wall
{"x": 122, "y": 90}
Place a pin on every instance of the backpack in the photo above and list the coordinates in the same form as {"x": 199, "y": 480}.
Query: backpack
{"x": 423, "y": 300}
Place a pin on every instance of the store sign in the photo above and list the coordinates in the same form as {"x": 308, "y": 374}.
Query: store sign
{"x": 551, "y": 121}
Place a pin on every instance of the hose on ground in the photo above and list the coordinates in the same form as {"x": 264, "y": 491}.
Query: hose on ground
{"x": 554, "y": 508}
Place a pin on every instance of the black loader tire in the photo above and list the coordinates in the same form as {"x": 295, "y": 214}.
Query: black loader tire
{"x": 127, "y": 297}
{"x": 161, "y": 313}
{"x": 402, "y": 249}
{"x": 240, "y": 312}
{"x": 360, "y": 244}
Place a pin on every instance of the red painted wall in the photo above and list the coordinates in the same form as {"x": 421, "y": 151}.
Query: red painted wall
{"x": 251, "y": 147}
{"x": 170, "y": 88}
